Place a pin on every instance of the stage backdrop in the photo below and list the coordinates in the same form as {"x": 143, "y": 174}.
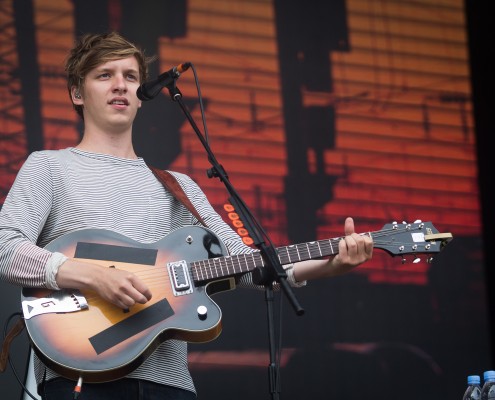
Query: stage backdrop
{"x": 316, "y": 112}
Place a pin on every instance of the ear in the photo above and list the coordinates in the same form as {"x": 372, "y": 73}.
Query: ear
{"x": 76, "y": 96}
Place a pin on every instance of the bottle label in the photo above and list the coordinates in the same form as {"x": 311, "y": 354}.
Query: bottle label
{"x": 491, "y": 393}
{"x": 474, "y": 393}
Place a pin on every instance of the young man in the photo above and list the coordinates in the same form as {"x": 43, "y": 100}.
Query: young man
{"x": 102, "y": 183}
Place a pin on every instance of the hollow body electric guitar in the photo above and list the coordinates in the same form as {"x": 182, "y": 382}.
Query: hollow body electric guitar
{"x": 79, "y": 335}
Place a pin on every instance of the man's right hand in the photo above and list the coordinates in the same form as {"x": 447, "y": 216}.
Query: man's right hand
{"x": 117, "y": 286}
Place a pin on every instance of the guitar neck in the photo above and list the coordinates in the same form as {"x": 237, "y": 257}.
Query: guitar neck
{"x": 214, "y": 268}
{"x": 396, "y": 239}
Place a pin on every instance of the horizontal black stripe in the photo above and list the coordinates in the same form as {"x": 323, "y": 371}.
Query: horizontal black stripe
{"x": 110, "y": 252}
{"x": 136, "y": 323}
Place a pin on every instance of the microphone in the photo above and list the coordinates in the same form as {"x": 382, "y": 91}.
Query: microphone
{"x": 149, "y": 90}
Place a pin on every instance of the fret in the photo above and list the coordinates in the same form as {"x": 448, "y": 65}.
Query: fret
{"x": 309, "y": 246}
{"x": 199, "y": 271}
{"x": 336, "y": 242}
{"x": 288, "y": 255}
{"x": 245, "y": 263}
{"x": 305, "y": 253}
{"x": 209, "y": 269}
{"x": 257, "y": 260}
{"x": 224, "y": 270}
{"x": 202, "y": 266}
{"x": 294, "y": 254}
{"x": 236, "y": 264}
{"x": 289, "y": 248}
{"x": 228, "y": 266}
{"x": 241, "y": 261}
{"x": 319, "y": 248}
{"x": 262, "y": 262}
{"x": 314, "y": 250}
{"x": 234, "y": 260}
{"x": 227, "y": 258}
{"x": 206, "y": 268}
{"x": 252, "y": 261}
{"x": 223, "y": 267}
{"x": 219, "y": 262}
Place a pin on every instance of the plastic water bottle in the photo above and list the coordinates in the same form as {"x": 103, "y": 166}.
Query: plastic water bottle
{"x": 473, "y": 391}
{"x": 488, "y": 388}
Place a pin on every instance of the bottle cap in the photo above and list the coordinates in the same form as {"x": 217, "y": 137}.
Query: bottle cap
{"x": 489, "y": 375}
{"x": 473, "y": 379}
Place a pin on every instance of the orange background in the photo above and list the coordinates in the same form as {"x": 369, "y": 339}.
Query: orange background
{"x": 401, "y": 147}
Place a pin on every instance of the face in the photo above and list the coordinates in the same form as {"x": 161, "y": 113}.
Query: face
{"x": 109, "y": 96}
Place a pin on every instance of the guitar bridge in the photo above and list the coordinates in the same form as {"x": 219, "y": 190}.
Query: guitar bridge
{"x": 179, "y": 278}
{"x": 59, "y": 301}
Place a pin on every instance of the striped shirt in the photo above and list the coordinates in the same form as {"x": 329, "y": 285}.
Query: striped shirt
{"x": 59, "y": 191}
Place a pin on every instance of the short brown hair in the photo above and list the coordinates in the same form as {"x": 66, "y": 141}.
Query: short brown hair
{"x": 92, "y": 50}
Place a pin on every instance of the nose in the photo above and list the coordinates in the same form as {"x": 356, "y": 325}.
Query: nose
{"x": 120, "y": 84}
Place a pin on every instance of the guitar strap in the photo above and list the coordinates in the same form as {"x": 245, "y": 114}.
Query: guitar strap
{"x": 171, "y": 184}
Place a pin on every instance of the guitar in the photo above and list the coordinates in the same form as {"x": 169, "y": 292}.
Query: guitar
{"x": 78, "y": 334}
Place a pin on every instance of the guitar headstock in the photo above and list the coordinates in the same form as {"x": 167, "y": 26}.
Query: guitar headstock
{"x": 411, "y": 238}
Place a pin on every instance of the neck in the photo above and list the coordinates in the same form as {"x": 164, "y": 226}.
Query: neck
{"x": 118, "y": 145}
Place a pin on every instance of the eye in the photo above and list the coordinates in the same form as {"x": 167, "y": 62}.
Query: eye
{"x": 132, "y": 77}
{"x": 104, "y": 75}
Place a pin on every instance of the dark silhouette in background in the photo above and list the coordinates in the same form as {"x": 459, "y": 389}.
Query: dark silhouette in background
{"x": 479, "y": 17}
{"x": 453, "y": 298}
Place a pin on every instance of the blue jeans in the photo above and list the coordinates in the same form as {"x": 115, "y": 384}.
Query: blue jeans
{"x": 123, "y": 389}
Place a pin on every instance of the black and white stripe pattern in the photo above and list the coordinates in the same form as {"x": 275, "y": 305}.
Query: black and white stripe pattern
{"x": 59, "y": 191}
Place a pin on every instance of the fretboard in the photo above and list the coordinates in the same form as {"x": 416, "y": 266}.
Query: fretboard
{"x": 214, "y": 268}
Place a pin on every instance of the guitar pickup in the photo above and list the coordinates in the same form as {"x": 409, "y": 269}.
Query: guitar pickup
{"x": 179, "y": 277}
{"x": 59, "y": 301}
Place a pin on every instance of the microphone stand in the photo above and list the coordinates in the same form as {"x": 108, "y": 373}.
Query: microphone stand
{"x": 273, "y": 270}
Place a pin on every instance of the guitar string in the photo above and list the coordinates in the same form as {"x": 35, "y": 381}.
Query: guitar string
{"x": 156, "y": 276}
{"x": 222, "y": 266}
{"x": 293, "y": 253}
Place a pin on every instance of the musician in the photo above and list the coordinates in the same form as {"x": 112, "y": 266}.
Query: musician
{"x": 103, "y": 183}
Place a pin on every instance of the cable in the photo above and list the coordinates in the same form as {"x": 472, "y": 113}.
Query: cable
{"x": 10, "y": 361}
{"x": 200, "y": 97}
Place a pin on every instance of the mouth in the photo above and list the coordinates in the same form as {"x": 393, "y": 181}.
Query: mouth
{"x": 119, "y": 102}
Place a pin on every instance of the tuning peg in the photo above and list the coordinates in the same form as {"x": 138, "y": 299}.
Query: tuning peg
{"x": 403, "y": 260}
{"x": 416, "y": 260}
{"x": 418, "y": 221}
{"x": 429, "y": 260}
